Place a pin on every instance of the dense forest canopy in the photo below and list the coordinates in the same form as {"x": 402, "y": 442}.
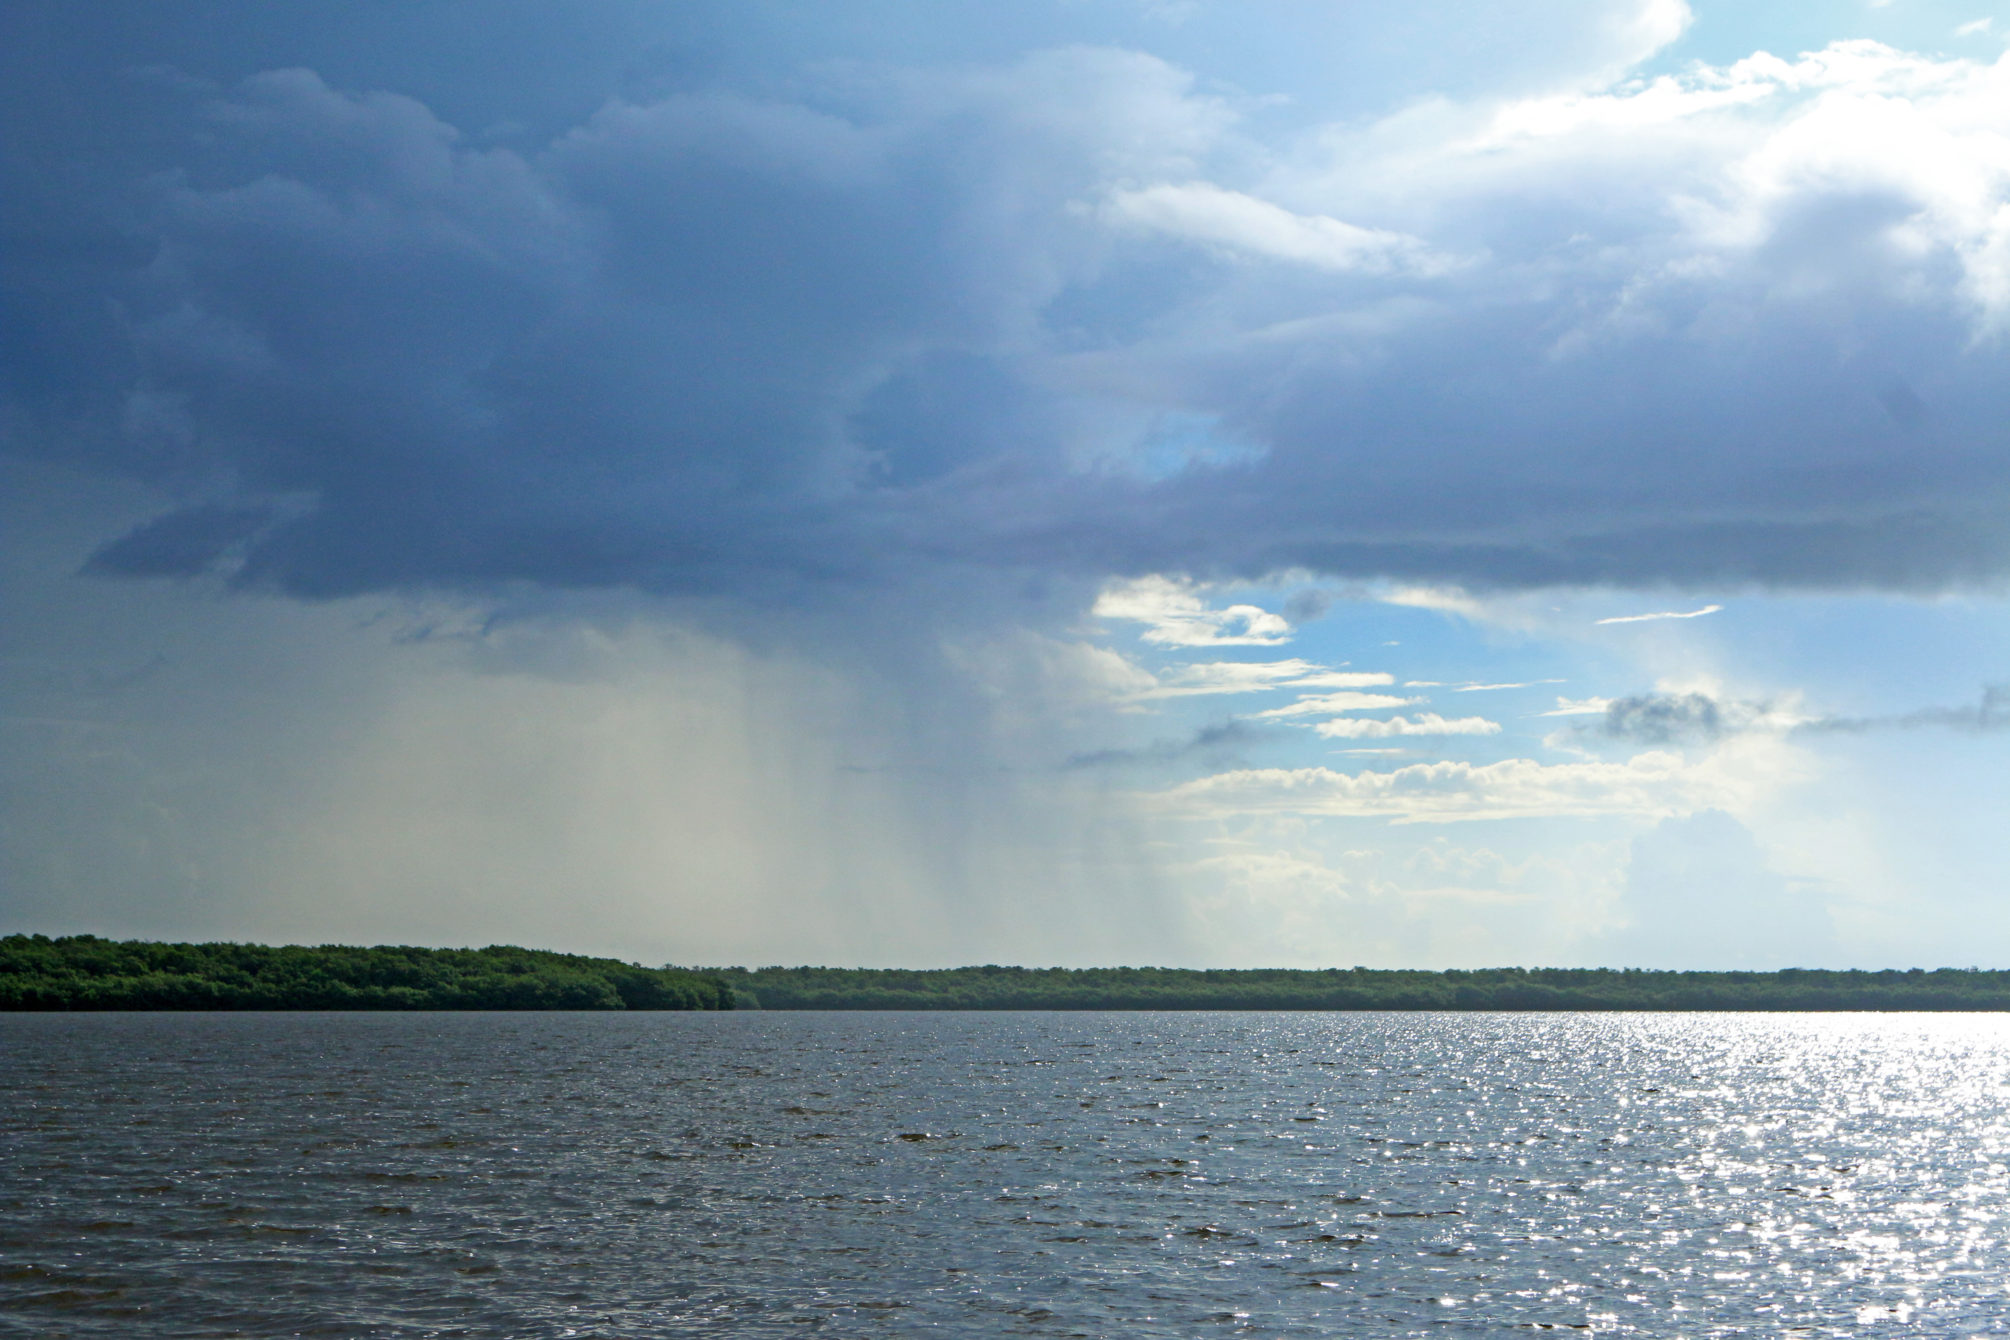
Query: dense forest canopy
{"x": 83, "y": 972}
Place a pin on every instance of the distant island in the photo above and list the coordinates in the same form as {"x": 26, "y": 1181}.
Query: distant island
{"x": 84, "y": 972}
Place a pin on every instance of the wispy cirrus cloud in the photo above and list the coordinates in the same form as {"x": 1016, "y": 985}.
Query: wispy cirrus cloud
{"x": 1662, "y": 614}
{"x": 1332, "y": 704}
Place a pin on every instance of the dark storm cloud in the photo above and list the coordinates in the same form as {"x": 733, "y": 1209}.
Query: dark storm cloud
{"x": 180, "y": 544}
{"x": 1700, "y": 718}
{"x": 1675, "y": 718}
{"x": 753, "y": 334}
{"x": 1222, "y": 745}
{"x": 1990, "y": 713}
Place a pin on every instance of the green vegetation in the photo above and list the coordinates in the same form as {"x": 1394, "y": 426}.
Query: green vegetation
{"x": 994, "y": 988}
{"x": 82, "y": 972}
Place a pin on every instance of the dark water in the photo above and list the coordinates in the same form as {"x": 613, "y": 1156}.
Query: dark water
{"x": 1003, "y": 1174}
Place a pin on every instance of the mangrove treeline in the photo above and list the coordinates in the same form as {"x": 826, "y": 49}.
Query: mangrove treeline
{"x": 995, "y": 988}
{"x": 83, "y": 972}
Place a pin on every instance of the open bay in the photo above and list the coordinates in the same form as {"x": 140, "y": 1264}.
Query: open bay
{"x": 1021, "y": 1173}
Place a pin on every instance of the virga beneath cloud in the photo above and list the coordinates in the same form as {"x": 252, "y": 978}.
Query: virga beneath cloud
{"x": 1072, "y": 406}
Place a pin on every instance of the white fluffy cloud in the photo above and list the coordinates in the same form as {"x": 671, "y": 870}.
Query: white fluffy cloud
{"x": 1211, "y": 677}
{"x": 1175, "y": 614}
{"x": 1424, "y": 723}
{"x": 1342, "y": 679}
{"x": 1651, "y": 784}
{"x": 1214, "y": 677}
{"x": 1578, "y": 707}
{"x": 1749, "y": 147}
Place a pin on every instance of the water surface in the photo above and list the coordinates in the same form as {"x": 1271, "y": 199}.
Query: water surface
{"x": 1009, "y": 1174}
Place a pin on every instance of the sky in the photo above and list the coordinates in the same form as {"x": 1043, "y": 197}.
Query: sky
{"x": 1081, "y": 482}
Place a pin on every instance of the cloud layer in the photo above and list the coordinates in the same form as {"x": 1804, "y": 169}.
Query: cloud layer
{"x": 1653, "y": 784}
{"x": 1077, "y": 312}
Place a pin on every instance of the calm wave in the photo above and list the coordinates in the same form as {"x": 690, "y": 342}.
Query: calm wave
{"x": 1002, "y": 1174}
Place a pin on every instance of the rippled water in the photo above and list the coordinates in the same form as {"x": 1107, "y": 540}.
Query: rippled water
{"x": 1002, "y": 1174}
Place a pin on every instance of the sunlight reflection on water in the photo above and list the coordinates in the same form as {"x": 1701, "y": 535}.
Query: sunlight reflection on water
{"x": 1003, "y": 1174}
